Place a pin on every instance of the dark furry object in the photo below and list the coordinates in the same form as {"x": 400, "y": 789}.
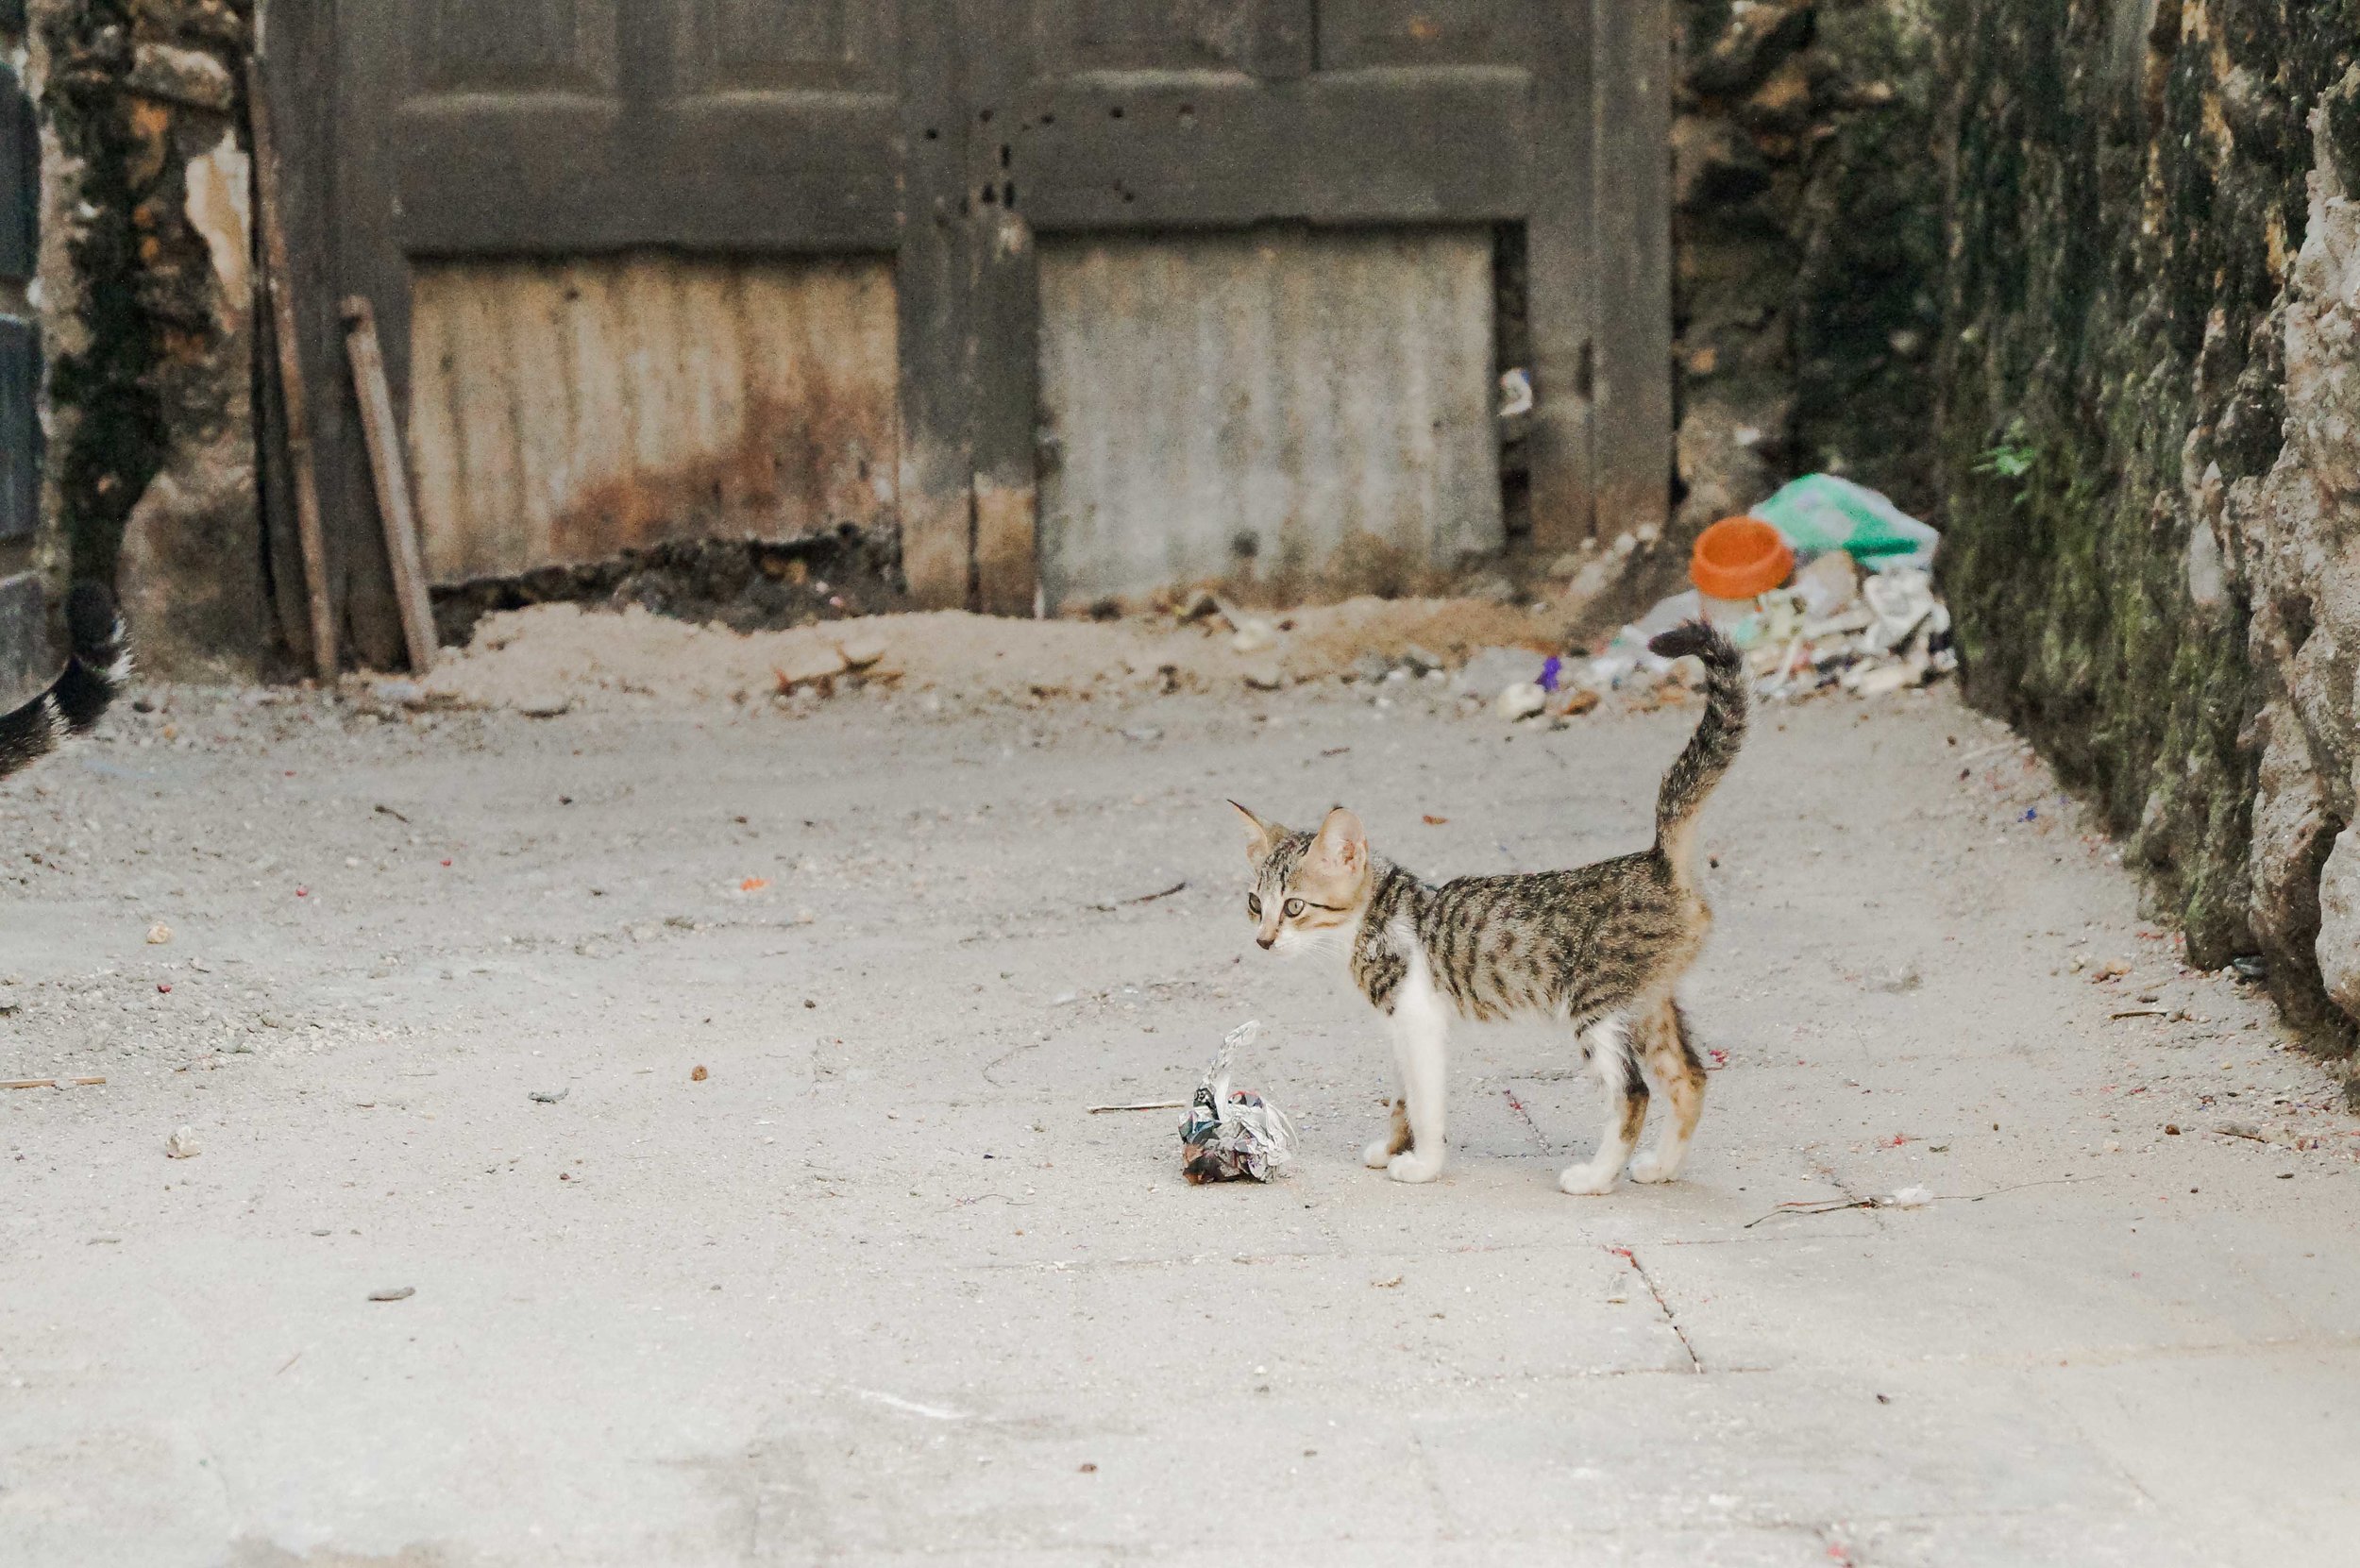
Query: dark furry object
{"x": 94, "y": 674}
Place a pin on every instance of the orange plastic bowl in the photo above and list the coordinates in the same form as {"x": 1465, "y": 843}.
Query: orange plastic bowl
{"x": 1740, "y": 558}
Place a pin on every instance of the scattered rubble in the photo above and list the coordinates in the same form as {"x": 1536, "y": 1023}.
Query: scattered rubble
{"x": 1826, "y": 626}
{"x": 1521, "y": 700}
{"x": 526, "y": 660}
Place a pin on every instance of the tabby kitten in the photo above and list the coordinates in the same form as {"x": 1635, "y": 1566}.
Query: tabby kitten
{"x": 1599, "y": 948}
{"x": 95, "y": 672}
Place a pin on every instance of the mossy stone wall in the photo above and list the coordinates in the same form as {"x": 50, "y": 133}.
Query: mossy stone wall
{"x": 2128, "y": 187}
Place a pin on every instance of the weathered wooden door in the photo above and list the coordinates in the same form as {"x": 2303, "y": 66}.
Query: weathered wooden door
{"x": 605, "y": 225}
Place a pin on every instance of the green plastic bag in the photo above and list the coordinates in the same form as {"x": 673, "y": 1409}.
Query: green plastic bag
{"x": 1820, "y": 512}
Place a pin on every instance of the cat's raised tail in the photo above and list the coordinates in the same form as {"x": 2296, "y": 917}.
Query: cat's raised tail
{"x": 100, "y": 664}
{"x": 1710, "y": 751}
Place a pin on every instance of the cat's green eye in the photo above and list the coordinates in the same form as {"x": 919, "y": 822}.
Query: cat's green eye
{"x": 1254, "y": 905}
{"x": 1294, "y": 909}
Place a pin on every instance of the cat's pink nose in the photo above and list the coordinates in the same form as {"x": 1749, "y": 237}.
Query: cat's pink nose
{"x": 1266, "y": 941}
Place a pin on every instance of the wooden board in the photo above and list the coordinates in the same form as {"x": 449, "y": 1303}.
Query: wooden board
{"x": 561, "y": 411}
{"x": 1290, "y": 414}
{"x": 391, "y": 472}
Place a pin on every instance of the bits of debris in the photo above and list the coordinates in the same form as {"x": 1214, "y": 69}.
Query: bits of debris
{"x": 182, "y": 1144}
{"x": 1255, "y": 636}
{"x": 394, "y": 1292}
{"x": 158, "y": 934}
{"x": 546, "y": 1097}
{"x": 697, "y": 1075}
{"x": 1896, "y": 979}
{"x": 400, "y": 694}
{"x": 1521, "y": 701}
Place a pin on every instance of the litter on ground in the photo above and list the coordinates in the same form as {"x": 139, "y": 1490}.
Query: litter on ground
{"x": 1233, "y": 1134}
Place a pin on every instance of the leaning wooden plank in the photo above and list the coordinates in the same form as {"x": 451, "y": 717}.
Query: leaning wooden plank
{"x": 273, "y": 277}
{"x": 392, "y": 481}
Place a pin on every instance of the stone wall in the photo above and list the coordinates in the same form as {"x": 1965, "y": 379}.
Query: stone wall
{"x": 147, "y": 306}
{"x": 2077, "y": 280}
{"x": 2148, "y": 450}
{"x": 1808, "y": 241}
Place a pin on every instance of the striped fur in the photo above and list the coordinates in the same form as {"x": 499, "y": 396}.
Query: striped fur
{"x": 94, "y": 673}
{"x": 1599, "y": 948}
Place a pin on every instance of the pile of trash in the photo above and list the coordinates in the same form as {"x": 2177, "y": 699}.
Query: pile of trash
{"x": 1827, "y": 585}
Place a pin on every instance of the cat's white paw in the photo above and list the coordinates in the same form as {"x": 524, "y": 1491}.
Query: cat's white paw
{"x": 1584, "y": 1181}
{"x": 1378, "y": 1155}
{"x": 1413, "y": 1167}
{"x": 1652, "y": 1166}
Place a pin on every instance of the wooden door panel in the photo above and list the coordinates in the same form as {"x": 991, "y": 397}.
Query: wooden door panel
{"x": 802, "y": 174}
{"x": 740, "y": 125}
{"x": 784, "y": 46}
{"x": 1363, "y": 33}
{"x": 1444, "y": 145}
{"x": 1132, "y": 35}
{"x": 519, "y": 45}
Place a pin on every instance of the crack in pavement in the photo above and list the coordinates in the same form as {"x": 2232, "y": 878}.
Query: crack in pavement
{"x": 1695, "y": 1363}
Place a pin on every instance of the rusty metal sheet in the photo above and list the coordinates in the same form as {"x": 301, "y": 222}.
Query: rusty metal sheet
{"x": 565, "y": 411}
{"x": 1292, "y": 413}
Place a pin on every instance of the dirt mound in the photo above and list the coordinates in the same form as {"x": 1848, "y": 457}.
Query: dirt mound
{"x": 553, "y": 655}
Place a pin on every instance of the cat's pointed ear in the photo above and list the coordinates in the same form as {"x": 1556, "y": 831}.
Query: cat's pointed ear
{"x": 1342, "y": 845}
{"x": 1259, "y": 835}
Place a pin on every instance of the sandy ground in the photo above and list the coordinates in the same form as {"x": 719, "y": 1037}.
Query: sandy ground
{"x": 561, "y": 653}
{"x": 876, "y": 1288}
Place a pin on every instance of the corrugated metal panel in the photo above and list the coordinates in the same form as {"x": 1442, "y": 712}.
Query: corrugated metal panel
{"x": 1291, "y": 412}
{"x": 562, "y": 411}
